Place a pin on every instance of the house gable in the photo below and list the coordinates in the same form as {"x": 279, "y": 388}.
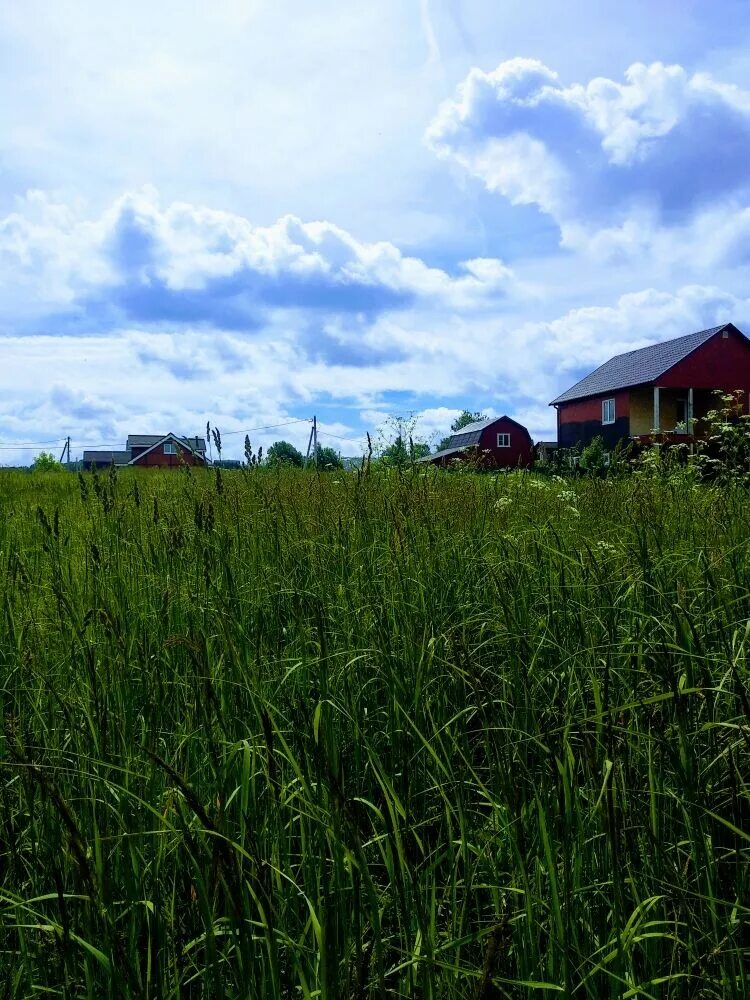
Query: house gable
{"x": 722, "y": 362}
{"x": 155, "y": 455}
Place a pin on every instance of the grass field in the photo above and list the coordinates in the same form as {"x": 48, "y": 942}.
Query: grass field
{"x": 287, "y": 735}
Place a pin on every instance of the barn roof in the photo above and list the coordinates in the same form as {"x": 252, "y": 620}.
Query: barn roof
{"x": 638, "y": 367}
{"x": 445, "y": 453}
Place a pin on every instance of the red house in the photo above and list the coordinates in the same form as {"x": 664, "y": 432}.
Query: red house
{"x": 499, "y": 442}
{"x": 150, "y": 450}
{"x": 664, "y": 389}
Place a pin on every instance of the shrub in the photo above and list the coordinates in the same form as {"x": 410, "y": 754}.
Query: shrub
{"x": 592, "y": 457}
{"x": 46, "y": 462}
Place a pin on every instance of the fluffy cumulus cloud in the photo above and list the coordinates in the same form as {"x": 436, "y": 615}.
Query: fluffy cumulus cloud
{"x": 657, "y": 149}
{"x": 141, "y": 262}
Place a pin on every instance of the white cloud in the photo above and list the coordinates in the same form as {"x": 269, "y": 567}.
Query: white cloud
{"x": 662, "y": 145}
{"x": 53, "y": 255}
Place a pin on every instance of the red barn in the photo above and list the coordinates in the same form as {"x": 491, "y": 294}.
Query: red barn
{"x": 664, "y": 388}
{"x": 497, "y": 443}
{"x": 151, "y": 450}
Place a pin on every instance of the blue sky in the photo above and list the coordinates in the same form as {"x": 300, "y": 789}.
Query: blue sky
{"x": 251, "y": 212}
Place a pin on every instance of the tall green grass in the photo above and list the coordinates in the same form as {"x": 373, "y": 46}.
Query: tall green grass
{"x": 405, "y": 735}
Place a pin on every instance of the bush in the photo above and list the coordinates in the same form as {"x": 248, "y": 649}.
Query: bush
{"x": 46, "y": 462}
{"x": 592, "y": 457}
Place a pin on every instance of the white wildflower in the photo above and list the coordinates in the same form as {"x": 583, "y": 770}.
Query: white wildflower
{"x": 568, "y": 496}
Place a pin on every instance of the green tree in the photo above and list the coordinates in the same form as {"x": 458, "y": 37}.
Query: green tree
{"x": 46, "y": 462}
{"x": 401, "y": 452}
{"x": 329, "y": 458}
{"x": 463, "y": 420}
{"x": 284, "y": 453}
{"x": 404, "y": 446}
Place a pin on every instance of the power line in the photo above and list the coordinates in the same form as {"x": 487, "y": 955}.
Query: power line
{"x": 340, "y": 438}
{"x": 268, "y": 427}
{"x": 29, "y": 444}
{"x": 25, "y": 445}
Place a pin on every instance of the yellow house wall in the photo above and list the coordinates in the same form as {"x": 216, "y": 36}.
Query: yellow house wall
{"x": 668, "y": 407}
{"x": 642, "y": 409}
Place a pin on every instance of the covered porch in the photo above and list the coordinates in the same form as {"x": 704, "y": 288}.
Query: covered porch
{"x": 677, "y": 412}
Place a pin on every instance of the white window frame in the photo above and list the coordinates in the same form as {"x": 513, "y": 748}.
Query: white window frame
{"x": 608, "y": 411}
{"x": 503, "y": 440}
{"x": 170, "y": 448}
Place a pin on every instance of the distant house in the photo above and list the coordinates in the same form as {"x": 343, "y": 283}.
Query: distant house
{"x": 664, "y": 389}
{"x": 499, "y": 442}
{"x": 544, "y": 451}
{"x": 162, "y": 450}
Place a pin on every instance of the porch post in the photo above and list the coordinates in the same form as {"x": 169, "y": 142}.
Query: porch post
{"x": 690, "y": 412}
{"x": 657, "y": 423}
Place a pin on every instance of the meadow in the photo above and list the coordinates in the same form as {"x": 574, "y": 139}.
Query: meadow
{"x": 273, "y": 734}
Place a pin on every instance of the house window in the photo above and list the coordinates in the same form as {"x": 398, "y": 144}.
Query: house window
{"x": 170, "y": 448}
{"x": 608, "y": 411}
{"x": 503, "y": 440}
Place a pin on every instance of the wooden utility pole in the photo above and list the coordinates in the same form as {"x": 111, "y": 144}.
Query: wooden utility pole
{"x": 315, "y": 441}
{"x": 309, "y": 443}
{"x": 66, "y": 448}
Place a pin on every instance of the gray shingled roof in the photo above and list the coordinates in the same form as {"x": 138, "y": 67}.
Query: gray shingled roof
{"x": 139, "y": 440}
{"x": 471, "y": 433}
{"x": 120, "y": 457}
{"x": 637, "y": 367}
{"x": 445, "y": 453}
